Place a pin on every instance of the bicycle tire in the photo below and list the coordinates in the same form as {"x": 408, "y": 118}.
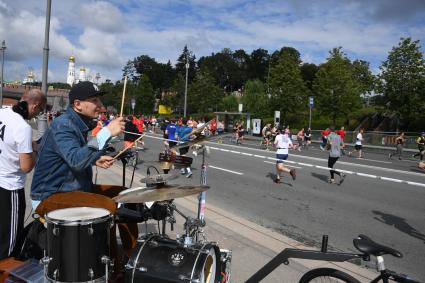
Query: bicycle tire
{"x": 325, "y": 275}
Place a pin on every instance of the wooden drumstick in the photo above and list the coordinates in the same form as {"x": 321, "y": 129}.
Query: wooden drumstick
{"x": 123, "y": 96}
{"x": 128, "y": 147}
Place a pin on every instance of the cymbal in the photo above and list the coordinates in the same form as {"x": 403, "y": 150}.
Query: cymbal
{"x": 158, "y": 178}
{"x": 165, "y": 192}
{"x": 198, "y": 136}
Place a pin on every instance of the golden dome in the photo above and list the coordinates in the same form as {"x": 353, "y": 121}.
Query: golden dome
{"x": 82, "y": 69}
{"x": 72, "y": 58}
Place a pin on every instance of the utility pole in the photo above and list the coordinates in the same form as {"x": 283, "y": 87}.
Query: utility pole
{"x": 42, "y": 119}
{"x": 185, "y": 88}
{"x": 3, "y": 49}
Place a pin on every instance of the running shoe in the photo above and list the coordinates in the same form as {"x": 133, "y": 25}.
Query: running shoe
{"x": 277, "y": 180}
{"x": 188, "y": 175}
{"x": 331, "y": 181}
{"x": 342, "y": 178}
{"x": 390, "y": 155}
{"x": 293, "y": 174}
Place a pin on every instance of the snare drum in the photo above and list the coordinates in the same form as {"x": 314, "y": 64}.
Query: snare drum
{"x": 78, "y": 244}
{"x": 161, "y": 260}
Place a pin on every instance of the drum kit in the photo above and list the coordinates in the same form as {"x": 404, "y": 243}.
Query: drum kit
{"x": 78, "y": 240}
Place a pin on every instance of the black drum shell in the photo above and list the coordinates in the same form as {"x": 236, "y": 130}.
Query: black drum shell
{"x": 154, "y": 255}
{"x": 77, "y": 248}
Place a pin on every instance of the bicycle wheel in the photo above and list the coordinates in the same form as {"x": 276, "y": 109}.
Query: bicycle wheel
{"x": 327, "y": 275}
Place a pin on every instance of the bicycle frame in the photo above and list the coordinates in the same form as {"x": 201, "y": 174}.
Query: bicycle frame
{"x": 286, "y": 254}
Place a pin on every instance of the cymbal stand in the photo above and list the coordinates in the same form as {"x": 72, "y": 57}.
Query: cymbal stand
{"x": 202, "y": 196}
{"x": 192, "y": 228}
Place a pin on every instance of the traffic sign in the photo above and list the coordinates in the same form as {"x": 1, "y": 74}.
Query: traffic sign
{"x": 311, "y": 101}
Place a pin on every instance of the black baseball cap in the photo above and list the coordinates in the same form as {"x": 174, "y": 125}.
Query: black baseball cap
{"x": 83, "y": 90}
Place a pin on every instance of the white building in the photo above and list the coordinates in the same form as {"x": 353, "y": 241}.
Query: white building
{"x": 83, "y": 74}
{"x": 70, "y": 79}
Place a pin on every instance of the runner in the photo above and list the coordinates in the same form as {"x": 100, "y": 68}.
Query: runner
{"x": 307, "y": 138}
{"x": 300, "y": 139}
{"x": 282, "y": 144}
{"x": 400, "y": 140}
{"x": 341, "y": 133}
{"x": 359, "y": 144}
{"x": 325, "y": 134}
{"x": 335, "y": 145}
{"x": 420, "y": 141}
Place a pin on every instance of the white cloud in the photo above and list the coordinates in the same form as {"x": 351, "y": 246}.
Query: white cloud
{"x": 103, "y": 35}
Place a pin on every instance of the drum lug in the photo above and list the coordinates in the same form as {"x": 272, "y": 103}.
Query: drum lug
{"x": 56, "y": 274}
{"x": 55, "y": 231}
{"x": 91, "y": 231}
{"x": 45, "y": 260}
{"x": 142, "y": 269}
{"x": 91, "y": 273}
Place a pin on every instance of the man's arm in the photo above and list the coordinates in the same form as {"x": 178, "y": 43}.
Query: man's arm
{"x": 27, "y": 161}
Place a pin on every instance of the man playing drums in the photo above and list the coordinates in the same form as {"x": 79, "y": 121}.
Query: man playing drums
{"x": 66, "y": 156}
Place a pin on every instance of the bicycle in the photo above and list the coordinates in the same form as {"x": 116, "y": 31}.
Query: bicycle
{"x": 364, "y": 244}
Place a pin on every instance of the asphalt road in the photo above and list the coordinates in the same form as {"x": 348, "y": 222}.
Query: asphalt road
{"x": 381, "y": 198}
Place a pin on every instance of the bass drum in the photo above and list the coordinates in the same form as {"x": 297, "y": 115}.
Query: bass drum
{"x": 162, "y": 260}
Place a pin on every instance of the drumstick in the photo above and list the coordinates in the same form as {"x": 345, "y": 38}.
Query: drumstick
{"x": 128, "y": 147}
{"x": 123, "y": 96}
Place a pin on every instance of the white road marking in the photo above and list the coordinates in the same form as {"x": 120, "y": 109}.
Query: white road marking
{"x": 344, "y": 171}
{"x": 366, "y": 175}
{"x": 285, "y": 164}
{"x": 226, "y": 170}
{"x": 325, "y": 160}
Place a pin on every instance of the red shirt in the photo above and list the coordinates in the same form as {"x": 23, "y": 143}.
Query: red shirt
{"x": 325, "y": 133}
{"x": 341, "y": 133}
{"x": 213, "y": 125}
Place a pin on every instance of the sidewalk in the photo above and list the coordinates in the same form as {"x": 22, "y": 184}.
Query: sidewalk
{"x": 252, "y": 245}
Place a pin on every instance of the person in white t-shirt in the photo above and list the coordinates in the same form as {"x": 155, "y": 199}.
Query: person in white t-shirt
{"x": 283, "y": 143}
{"x": 17, "y": 158}
{"x": 359, "y": 144}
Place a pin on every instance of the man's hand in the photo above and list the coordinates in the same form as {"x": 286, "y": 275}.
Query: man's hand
{"x": 116, "y": 126}
{"x": 105, "y": 161}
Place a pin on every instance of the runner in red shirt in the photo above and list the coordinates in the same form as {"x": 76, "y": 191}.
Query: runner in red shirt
{"x": 325, "y": 134}
{"x": 213, "y": 126}
{"x": 341, "y": 133}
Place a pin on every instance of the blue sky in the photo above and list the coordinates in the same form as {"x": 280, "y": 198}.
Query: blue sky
{"x": 103, "y": 35}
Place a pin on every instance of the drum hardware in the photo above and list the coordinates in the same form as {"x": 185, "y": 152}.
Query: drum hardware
{"x": 107, "y": 262}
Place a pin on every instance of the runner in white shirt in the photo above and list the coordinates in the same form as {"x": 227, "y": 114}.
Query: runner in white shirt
{"x": 358, "y": 146}
{"x": 282, "y": 143}
{"x": 16, "y": 159}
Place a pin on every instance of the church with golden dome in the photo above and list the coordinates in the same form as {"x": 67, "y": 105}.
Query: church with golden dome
{"x": 71, "y": 76}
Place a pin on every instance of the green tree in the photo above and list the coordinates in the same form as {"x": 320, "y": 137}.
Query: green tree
{"x": 181, "y": 64}
{"x": 258, "y": 65}
{"x": 402, "y": 81}
{"x": 229, "y": 103}
{"x": 364, "y": 77}
{"x": 255, "y": 99}
{"x": 143, "y": 92}
{"x": 337, "y": 89}
{"x": 308, "y": 72}
{"x": 288, "y": 90}
{"x": 203, "y": 95}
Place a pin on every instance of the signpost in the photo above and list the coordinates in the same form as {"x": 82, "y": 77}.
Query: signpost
{"x": 310, "y": 104}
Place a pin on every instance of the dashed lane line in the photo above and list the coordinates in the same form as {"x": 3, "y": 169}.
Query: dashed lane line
{"x": 225, "y": 170}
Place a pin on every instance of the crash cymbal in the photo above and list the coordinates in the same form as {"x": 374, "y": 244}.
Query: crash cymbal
{"x": 165, "y": 192}
{"x": 198, "y": 136}
{"x": 159, "y": 178}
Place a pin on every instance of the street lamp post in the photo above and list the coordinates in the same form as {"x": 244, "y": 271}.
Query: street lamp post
{"x": 185, "y": 88}
{"x": 3, "y": 49}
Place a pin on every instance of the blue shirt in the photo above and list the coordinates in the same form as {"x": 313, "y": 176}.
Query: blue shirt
{"x": 183, "y": 132}
{"x": 171, "y": 130}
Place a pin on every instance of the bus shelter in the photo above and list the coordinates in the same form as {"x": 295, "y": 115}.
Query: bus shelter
{"x": 230, "y": 118}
